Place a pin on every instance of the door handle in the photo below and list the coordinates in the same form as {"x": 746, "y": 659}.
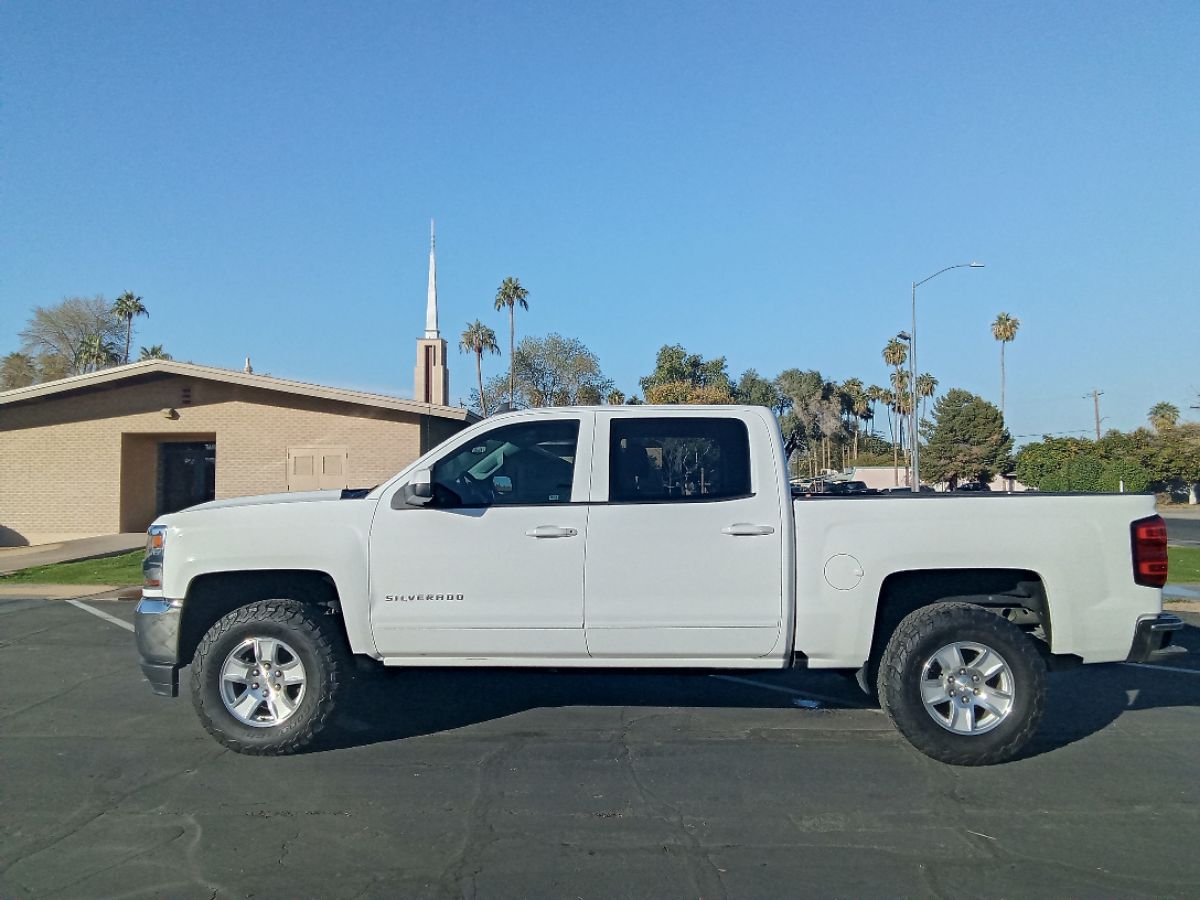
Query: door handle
{"x": 551, "y": 531}
{"x": 745, "y": 529}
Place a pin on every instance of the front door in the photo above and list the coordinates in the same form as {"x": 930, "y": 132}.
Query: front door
{"x": 685, "y": 551}
{"x": 492, "y": 566}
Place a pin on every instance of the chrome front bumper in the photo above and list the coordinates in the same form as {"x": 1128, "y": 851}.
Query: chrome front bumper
{"x": 156, "y": 626}
{"x": 1153, "y": 637}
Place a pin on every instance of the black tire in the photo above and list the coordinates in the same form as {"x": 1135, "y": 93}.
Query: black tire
{"x": 320, "y": 650}
{"x": 903, "y": 673}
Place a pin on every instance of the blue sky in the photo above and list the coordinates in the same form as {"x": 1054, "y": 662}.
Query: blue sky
{"x": 761, "y": 181}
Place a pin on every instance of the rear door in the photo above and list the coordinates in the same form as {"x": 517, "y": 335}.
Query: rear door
{"x": 685, "y": 543}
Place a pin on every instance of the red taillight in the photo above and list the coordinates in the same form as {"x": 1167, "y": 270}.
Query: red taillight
{"x": 1149, "y": 551}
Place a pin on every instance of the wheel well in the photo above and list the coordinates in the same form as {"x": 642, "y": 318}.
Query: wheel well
{"x": 211, "y": 596}
{"x": 1017, "y": 594}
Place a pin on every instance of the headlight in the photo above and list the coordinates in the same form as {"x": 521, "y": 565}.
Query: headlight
{"x": 152, "y": 565}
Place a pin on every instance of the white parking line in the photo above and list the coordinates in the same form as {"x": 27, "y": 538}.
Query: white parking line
{"x": 783, "y": 690}
{"x": 1163, "y": 668}
{"x": 101, "y": 614}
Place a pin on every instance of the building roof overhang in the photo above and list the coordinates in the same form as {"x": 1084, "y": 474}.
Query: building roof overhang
{"x": 149, "y": 369}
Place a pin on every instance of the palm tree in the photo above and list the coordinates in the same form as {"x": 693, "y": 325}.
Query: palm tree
{"x": 926, "y": 385}
{"x": 615, "y": 397}
{"x": 154, "y": 351}
{"x": 895, "y": 353}
{"x": 854, "y": 402}
{"x": 95, "y": 352}
{"x": 510, "y": 296}
{"x": 874, "y": 395}
{"x": 1163, "y": 415}
{"x": 888, "y": 399}
{"x": 479, "y": 339}
{"x": 1004, "y": 329}
{"x": 126, "y": 307}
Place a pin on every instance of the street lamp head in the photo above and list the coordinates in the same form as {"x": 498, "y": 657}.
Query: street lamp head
{"x": 904, "y": 336}
{"x": 975, "y": 265}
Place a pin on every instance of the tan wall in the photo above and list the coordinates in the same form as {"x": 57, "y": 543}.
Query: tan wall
{"x": 80, "y": 465}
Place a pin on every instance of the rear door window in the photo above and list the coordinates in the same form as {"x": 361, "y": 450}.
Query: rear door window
{"x": 678, "y": 459}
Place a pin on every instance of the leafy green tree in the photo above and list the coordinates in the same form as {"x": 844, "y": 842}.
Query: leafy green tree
{"x": 549, "y": 371}
{"x": 814, "y": 421}
{"x": 968, "y": 439}
{"x": 1163, "y": 415}
{"x": 17, "y": 370}
{"x": 1177, "y": 459}
{"x": 154, "y": 351}
{"x": 126, "y": 308}
{"x": 478, "y": 339}
{"x": 510, "y": 296}
{"x": 684, "y": 392}
{"x": 1004, "y": 329}
{"x": 674, "y": 364}
{"x": 755, "y": 390}
{"x": 1061, "y": 464}
{"x": 1124, "y": 474}
{"x": 54, "y": 335}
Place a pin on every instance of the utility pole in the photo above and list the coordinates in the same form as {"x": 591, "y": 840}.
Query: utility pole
{"x": 1096, "y": 395}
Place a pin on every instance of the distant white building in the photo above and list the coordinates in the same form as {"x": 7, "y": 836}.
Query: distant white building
{"x": 883, "y": 477}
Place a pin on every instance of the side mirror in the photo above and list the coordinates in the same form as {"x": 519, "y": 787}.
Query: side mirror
{"x": 417, "y": 492}
{"x": 502, "y": 484}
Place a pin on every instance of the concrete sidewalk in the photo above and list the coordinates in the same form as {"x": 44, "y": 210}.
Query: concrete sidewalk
{"x": 14, "y": 558}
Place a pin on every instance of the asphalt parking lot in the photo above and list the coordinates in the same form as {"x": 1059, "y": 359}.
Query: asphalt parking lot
{"x": 531, "y": 784}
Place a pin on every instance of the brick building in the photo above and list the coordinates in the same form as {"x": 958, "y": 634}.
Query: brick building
{"x": 108, "y": 451}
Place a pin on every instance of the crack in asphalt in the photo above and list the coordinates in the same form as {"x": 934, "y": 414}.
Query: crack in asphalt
{"x": 123, "y": 670}
{"x": 702, "y": 871}
{"x": 477, "y": 824}
{"x": 111, "y": 806}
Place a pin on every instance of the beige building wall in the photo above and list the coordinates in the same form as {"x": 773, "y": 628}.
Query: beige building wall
{"x": 85, "y": 463}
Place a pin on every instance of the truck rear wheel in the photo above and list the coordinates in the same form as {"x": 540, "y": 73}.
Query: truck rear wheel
{"x": 266, "y": 677}
{"x": 963, "y": 685}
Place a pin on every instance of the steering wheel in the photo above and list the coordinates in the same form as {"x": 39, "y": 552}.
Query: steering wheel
{"x": 474, "y": 491}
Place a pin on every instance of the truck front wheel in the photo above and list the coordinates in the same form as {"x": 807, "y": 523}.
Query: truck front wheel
{"x": 266, "y": 677}
{"x": 962, "y": 684}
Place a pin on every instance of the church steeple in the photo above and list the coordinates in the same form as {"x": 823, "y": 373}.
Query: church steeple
{"x": 431, "y": 380}
{"x": 431, "y": 322}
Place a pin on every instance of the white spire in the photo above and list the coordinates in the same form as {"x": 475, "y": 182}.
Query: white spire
{"x": 431, "y": 325}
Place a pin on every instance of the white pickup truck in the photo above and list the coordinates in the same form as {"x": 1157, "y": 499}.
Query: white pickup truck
{"x": 647, "y": 537}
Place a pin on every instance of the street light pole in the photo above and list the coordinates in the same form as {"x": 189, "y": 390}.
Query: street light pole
{"x": 915, "y": 478}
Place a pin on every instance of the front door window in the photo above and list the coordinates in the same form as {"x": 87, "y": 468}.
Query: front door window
{"x": 525, "y": 464}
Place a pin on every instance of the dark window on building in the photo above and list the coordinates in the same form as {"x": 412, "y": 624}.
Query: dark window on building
{"x": 187, "y": 475}
{"x": 529, "y": 463}
{"x": 678, "y": 459}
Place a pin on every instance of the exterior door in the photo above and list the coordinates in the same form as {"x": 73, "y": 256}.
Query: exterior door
{"x": 492, "y": 566}
{"x": 685, "y": 540}
{"x": 317, "y": 468}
